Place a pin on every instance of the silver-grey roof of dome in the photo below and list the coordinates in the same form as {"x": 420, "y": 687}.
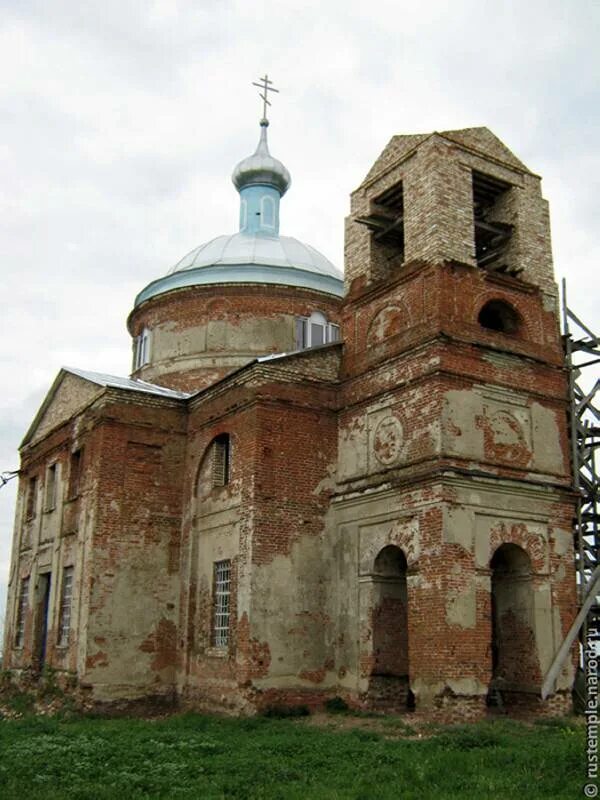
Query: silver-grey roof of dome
{"x": 250, "y": 258}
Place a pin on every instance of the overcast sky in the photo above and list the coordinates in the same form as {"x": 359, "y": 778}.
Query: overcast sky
{"x": 121, "y": 123}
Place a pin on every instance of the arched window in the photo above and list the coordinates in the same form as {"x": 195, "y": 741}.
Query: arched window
{"x": 315, "y": 330}
{"x": 214, "y": 469}
{"x": 497, "y": 315}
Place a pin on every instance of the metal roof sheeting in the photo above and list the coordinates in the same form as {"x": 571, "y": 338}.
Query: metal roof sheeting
{"x": 116, "y": 382}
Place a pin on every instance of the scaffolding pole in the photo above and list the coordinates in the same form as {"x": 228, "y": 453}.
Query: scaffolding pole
{"x": 582, "y": 359}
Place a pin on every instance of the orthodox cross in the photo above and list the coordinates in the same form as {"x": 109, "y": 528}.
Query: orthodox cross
{"x": 264, "y": 84}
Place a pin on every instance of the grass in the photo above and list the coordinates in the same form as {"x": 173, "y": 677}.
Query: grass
{"x": 202, "y": 757}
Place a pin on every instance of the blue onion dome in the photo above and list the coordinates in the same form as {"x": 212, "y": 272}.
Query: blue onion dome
{"x": 256, "y": 254}
{"x": 261, "y": 168}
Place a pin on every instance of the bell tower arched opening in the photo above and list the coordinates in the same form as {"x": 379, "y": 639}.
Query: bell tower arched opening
{"x": 390, "y": 683}
{"x": 515, "y": 664}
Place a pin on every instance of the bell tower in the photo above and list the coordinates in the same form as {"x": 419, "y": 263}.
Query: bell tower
{"x": 453, "y": 444}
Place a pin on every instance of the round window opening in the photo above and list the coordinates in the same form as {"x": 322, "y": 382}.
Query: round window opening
{"x": 499, "y": 316}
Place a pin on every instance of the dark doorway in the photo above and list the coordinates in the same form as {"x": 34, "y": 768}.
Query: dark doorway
{"x": 515, "y": 665}
{"x": 389, "y": 685}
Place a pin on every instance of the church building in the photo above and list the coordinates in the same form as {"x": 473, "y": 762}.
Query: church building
{"x": 314, "y": 485}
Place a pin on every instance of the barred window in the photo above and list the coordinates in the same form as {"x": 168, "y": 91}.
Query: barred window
{"x": 66, "y": 595}
{"x": 220, "y": 460}
{"x": 21, "y": 611}
{"x": 221, "y": 603}
{"x": 50, "y": 501}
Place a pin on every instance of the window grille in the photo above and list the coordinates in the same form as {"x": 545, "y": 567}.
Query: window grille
{"x": 220, "y": 460}
{"x": 51, "y": 487}
{"x": 222, "y": 594}
{"x": 64, "y": 624}
{"x": 21, "y": 610}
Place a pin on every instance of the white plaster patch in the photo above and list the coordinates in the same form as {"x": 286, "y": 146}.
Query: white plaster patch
{"x": 461, "y": 607}
{"x": 459, "y": 527}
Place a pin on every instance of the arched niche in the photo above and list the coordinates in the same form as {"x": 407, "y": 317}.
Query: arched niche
{"x": 500, "y": 316}
{"x": 389, "y": 683}
{"x": 515, "y": 662}
{"x": 214, "y": 470}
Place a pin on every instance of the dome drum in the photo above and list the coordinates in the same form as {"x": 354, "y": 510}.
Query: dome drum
{"x": 238, "y": 296}
{"x": 196, "y": 335}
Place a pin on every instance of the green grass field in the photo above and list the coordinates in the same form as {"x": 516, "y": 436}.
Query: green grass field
{"x": 202, "y": 757}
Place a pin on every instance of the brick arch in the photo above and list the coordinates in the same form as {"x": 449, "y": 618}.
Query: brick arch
{"x": 517, "y": 533}
{"x": 218, "y": 306}
{"x": 499, "y": 300}
{"x": 402, "y": 533}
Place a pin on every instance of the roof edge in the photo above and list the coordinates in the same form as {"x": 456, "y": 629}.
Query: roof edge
{"x": 240, "y": 274}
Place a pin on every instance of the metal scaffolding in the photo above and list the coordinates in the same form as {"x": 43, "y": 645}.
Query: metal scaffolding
{"x": 582, "y": 358}
{"x": 582, "y": 352}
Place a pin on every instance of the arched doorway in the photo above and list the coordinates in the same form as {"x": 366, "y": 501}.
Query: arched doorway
{"x": 515, "y": 664}
{"x": 389, "y": 686}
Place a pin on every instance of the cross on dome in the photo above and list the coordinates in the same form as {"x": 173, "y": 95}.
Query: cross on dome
{"x": 265, "y": 84}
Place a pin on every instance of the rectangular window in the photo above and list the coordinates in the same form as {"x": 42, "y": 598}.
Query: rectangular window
{"x": 21, "y": 611}
{"x": 141, "y": 354}
{"x": 31, "y": 498}
{"x": 75, "y": 473}
{"x": 314, "y": 331}
{"x": 301, "y": 333}
{"x": 317, "y": 334}
{"x": 64, "y": 623}
{"x": 221, "y": 597}
{"x": 50, "y": 501}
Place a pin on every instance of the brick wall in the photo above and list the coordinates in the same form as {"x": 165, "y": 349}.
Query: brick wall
{"x": 197, "y": 338}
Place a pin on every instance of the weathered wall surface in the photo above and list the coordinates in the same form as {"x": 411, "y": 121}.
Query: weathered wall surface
{"x": 215, "y": 528}
{"x": 268, "y": 520}
{"x": 397, "y": 508}
{"x": 436, "y": 175}
{"x": 52, "y": 531}
{"x": 197, "y": 338}
{"x": 135, "y": 549}
{"x": 291, "y": 580}
{"x": 452, "y": 442}
{"x": 449, "y": 534}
